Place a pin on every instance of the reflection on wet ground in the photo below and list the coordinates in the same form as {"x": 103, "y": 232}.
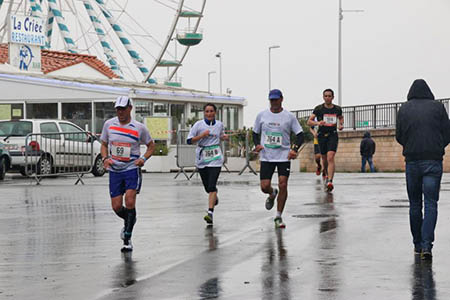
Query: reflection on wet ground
{"x": 275, "y": 269}
{"x": 422, "y": 281}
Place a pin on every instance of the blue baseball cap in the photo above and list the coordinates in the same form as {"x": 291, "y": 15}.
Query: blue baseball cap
{"x": 275, "y": 94}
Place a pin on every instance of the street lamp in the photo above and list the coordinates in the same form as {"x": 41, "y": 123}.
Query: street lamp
{"x": 219, "y": 56}
{"x": 341, "y": 17}
{"x": 270, "y": 78}
{"x": 209, "y": 80}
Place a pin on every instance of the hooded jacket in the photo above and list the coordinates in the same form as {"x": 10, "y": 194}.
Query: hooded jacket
{"x": 367, "y": 147}
{"x": 423, "y": 126}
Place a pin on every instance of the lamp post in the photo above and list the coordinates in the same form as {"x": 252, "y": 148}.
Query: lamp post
{"x": 270, "y": 67}
{"x": 209, "y": 80}
{"x": 341, "y": 17}
{"x": 219, "y": 56}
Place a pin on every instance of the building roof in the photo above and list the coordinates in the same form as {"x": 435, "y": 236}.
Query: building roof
{"x": 56, "y": 60}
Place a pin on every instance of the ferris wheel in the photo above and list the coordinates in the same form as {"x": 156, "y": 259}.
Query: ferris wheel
{"x": 139, "y": 42}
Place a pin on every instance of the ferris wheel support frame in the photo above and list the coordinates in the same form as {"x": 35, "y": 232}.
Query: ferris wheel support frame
{"x": 107, "y": 50}
{"x": 166, "y": 43}
{"x": 68, "y": 41}
{"x": 197, "y": 25}
{"x": 137, "y": 60}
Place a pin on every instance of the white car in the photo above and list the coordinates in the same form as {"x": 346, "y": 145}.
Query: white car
{"x": 50, "y": 153}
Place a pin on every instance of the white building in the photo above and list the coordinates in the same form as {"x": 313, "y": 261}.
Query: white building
{"x": 80, "y": 88}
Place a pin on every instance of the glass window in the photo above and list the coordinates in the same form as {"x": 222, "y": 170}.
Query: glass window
{"x": 195, "y": 114}
{"x": 231, "y": 117}
{"x": 42, "y": 110}
{"x": 177, "y": 118}
{"x": 103, "y": 111}
{"x": 160, "y": 109}
{"x": 143, "y": 109}
{"x": 50, "y": 127}
{"x": 78, "y": 113}
{"x": 11, "y": 111}
{"x": 78, "y": 134}
{"x": 14, "y": 128}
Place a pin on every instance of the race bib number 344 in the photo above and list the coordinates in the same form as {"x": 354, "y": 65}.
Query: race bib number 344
{"x": 273, "y": 140}
{"x": 121, "y": 151}
{"x": 211, "y": 153}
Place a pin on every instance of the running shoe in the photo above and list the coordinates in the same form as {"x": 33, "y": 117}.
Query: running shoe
{"x": 127, "y": 246}
{"x": 426, "y": 255}
{"x": 270, "y": 201}
{"x": 279, "y": 223}
{"x": 330, "y": 186}
{"x": 417, "y": 251}
{"x": 319, "y": 168}
{"x": 208, "y": 218}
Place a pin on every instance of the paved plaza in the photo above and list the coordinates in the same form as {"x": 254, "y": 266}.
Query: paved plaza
{"x": 61, "y": 241}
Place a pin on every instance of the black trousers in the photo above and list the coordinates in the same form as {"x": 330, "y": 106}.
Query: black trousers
{"x": 209, "y": 176}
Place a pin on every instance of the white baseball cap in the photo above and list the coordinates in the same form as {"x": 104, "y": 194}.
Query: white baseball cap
{"x": 123, "y": 101}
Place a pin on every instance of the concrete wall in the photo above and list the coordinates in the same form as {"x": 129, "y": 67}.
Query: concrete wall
{"x": 388, "y": 156}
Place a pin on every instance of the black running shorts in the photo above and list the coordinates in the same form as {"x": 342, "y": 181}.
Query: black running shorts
{"x": 316, "y": 149}
{"x": 268, "y": 168}
{"x": 209, "y": 176}
{"x": 328, "y": 142}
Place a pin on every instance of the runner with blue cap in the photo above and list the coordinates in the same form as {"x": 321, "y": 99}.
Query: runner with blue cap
{"x": 271, "y": 136}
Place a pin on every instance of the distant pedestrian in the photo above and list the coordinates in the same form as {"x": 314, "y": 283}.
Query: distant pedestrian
{"x": 367, "y": 149}
{"x": 423, "y": 129}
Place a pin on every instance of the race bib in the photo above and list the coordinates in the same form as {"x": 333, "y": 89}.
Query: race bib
{"x": 273, "y": 140}
{"x": 330, "y": 119}
{"x": 211, "y": 153}
{"x": 121, "y": 151}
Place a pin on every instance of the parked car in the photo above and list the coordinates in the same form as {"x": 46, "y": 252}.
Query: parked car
{"x": 5, "y": 161}
{"x": 51, "y": 152}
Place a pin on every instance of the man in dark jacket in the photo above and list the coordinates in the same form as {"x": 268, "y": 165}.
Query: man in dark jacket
{"x": 367, "y": 149}
{"x": 423, "y": 129}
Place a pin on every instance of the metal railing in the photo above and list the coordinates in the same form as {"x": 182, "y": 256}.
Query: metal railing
{"x": 51, "y": 154}
{"x": 363, "y": 117}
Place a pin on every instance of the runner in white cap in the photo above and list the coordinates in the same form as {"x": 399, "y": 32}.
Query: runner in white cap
{"x": 121, "y": 139}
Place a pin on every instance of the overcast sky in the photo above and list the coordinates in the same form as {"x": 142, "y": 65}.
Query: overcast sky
{"x": 384, "y": 49}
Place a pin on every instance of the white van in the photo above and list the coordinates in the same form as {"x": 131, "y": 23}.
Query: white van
{"x": 13, "y": 135}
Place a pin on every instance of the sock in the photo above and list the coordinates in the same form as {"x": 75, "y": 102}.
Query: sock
{"x": 278, "y": 214}
{"x": 131, "y": 218}
{"x": 211, "y": 211}
{"x": 273, "y": 192}
{"x": 121, "y": 213}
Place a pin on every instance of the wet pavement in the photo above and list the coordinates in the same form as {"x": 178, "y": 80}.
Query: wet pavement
{"x": 61, "y": 241}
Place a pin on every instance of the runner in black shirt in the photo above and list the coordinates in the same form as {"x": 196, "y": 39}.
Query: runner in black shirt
{"x": 329, "y": 119}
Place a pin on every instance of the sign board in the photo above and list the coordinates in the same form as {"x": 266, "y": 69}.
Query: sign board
{"x": 159, "y": 127}
{"x": 5, "y": 111}
{"x": 25, "y": 57}
{"x": 27, "y": 30}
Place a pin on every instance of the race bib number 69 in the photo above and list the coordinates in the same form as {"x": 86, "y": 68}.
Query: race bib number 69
{"x": 121, "y": 151}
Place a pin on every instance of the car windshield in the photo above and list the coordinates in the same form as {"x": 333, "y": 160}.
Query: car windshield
{"x": 15, "y": 128}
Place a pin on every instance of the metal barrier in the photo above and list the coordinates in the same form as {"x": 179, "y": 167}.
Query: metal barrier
{"x": 186, "y": 154}
{"x": 363, "y": 117}
{"x": 247, "y": 155}
{"x": 50, "y": 154}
